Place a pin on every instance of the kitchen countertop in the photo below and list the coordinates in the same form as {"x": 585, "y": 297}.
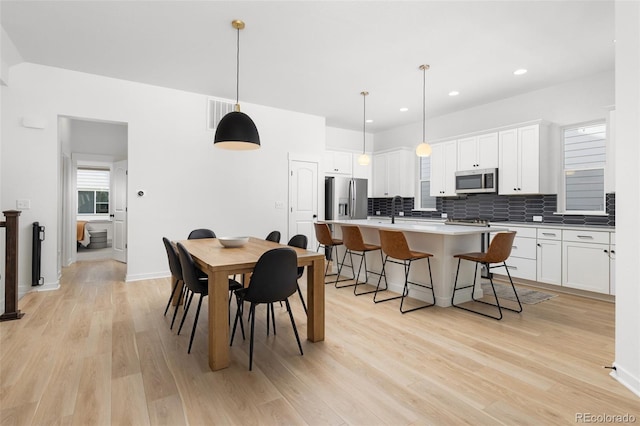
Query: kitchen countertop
{"x": 404, "y": 219}
{"x": 426, "y": 228}
{"x": 556, "y": 226}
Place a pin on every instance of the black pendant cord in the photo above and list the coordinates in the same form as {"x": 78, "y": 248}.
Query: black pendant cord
{"x": 238, "y": 67}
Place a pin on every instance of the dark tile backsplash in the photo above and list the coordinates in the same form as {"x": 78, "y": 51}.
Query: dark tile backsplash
{"x": 513, "y": 208}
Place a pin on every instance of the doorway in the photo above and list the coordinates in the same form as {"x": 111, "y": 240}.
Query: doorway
{"x": 93, "y": 204}
{"x": 303, "y": 199}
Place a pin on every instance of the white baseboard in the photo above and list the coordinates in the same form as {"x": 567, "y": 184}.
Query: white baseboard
{"x": 150, "y": 276}
{"x": 627, "y": 379}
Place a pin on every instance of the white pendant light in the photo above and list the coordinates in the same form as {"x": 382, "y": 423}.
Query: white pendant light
{"x": 364, "y": 159}
{"x": 237, "y": 130}
{"x": 424, "y": 149}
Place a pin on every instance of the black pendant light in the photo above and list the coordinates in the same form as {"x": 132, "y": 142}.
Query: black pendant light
{"x": 237, "y": 130}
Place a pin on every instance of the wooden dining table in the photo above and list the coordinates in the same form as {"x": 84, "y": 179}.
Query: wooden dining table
{"x": 220, "y": 262}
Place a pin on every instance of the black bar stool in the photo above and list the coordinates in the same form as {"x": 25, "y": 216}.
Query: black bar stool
{"x": 394, "y": 245}
{"x": 354, "y": 243}
{"x": 498, "y": 252}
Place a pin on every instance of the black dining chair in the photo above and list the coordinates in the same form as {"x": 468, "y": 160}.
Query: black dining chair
{"x": 273, "y": 236}
{"x": 196, "y": 285}
{"x": 176, "y": 272}
{"x": 299, "y": 241}
{"x": 201, "y": 233}
{"x": 197, "y": 234}
{"x": 274, "y": 279}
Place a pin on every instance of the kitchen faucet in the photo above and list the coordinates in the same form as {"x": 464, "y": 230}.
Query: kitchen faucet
{"x": 393, "y": 207}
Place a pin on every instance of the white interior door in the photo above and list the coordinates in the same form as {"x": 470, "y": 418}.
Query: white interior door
{"x": 303, "y": 199}
{"x": 119, "y": 211}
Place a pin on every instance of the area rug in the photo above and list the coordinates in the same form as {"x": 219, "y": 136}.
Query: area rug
{"x": 527, "y": 296}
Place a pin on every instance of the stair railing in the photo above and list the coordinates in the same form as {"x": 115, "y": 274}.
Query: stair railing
{"x": 11, "y": 311}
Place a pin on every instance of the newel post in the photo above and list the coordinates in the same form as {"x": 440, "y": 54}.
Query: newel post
{"x": 11, "y": 311}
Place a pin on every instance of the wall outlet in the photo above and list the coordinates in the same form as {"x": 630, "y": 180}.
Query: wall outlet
{"x": 537, "y": 218}
{"x": 443, "y": 215}
{"x": 400, "y": 213}
{"x": 377, "y": 212}
{"x": 279, "y": 205}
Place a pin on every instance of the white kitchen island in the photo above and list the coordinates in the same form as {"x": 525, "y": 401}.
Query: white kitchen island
{"x": 443, "y": 241}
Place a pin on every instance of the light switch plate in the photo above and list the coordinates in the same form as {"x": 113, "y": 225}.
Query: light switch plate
{"x": 377, "y": 212}
{"x": 23, "y": 204}
{"x": 443, "y": 215}
{"x": 537, "y": 218}
{"x": 400, "y": 213}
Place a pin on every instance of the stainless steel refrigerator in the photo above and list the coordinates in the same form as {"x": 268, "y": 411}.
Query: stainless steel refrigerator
{"x": 345, "y": 198}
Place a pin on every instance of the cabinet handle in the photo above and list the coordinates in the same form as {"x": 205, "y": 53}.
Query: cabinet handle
{"x": 515, "y": 189}
{"x": 515, "y": 247}
{"x": 512, "y": 267}
{"x": 549, "y": 233}
{"x": 586, "y": 237}
{"x": 539, "y": 245}
{"x": 612, "y": 252}
{"x": 606, "y": 251}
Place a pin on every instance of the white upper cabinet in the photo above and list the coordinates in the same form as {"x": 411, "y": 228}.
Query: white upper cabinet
{"x": 478, "y": 152}
{"x": 338, "y": 162}
{"x": 524, "y": 167}
{"x": 394, "y": 173}
{"x": 443, "y": 169}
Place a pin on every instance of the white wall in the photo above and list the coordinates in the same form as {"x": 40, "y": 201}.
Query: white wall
{"x": 188, "y": 182}
{"x": 10, "y": 56}
{"x": 348, "y": 140}
{"x": 627, "y": 357}
{"x": 569, "y": 103}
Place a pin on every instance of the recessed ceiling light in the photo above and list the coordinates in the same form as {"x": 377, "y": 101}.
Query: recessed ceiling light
{"x": 369, "y": 120}
{"x": 454, "y": 93}
{"x": 520, "y": 71}
{"x": 404, "y": 109}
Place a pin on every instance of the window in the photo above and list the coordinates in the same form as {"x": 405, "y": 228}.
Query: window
{"x": 93, "y": 191}
{"x": 584, "y": 160}
{"x": 425, "y": 200}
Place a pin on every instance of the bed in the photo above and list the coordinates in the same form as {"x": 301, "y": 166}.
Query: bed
{"x": 82, "y": 233}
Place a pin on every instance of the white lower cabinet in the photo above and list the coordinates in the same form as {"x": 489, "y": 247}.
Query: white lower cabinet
{"x": 522, "y": 261}
{"x": 580, "y": 259}
{"x": 585, "y": 261}
{"x": 549, "y": 256}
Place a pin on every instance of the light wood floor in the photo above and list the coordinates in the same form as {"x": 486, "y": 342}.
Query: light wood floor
{"x": 99, "y": 352}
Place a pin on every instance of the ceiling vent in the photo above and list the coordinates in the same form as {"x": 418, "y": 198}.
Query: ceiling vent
{"x": 216, "y": 109}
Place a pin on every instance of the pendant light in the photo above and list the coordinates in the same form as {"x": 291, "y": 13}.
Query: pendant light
{"x": 364, "y": 159}
{"x": 424, "y": 149}
{"x": 236, "y": 130}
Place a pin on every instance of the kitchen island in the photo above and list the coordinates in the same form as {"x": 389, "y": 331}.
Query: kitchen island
{"x": 443, "y": 241}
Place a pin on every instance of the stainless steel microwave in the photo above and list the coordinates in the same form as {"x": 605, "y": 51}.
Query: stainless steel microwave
{"x": 477, "y": 181}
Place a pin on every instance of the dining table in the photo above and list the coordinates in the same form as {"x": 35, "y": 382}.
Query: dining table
{"x": 220, "y": 262}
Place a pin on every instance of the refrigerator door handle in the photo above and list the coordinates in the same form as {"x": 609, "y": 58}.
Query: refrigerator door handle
{"x": 349, "y": 211}
{"x": 354, "y": 197}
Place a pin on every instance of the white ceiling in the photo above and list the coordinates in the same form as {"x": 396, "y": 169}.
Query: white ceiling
{"x": 317, "y": 56}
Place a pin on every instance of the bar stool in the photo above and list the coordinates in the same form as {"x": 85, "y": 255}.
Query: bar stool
{"x": 354, "y": 243}
{"x": 394, "y": 245}
{"x": 498, "y": 252}
{"x": 326, "y": 240}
